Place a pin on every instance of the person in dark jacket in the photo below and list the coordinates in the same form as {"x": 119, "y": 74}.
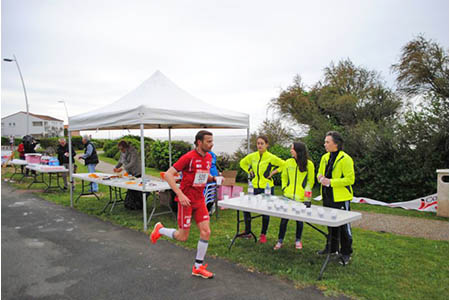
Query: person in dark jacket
{"x": 337, "y": 175}
{"x": 129, "y": 159}
{"x": 63, "y": 157}
{"x": 90, "y": 159}
{"x": 29, "y": 144}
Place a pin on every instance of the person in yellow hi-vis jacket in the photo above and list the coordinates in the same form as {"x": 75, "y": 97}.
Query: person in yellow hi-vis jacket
{"x": 337, "y": 175}
{"x": 261, "y": 165}
{"x": 297, "y": 174}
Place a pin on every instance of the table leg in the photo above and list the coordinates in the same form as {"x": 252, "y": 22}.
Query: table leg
{"x": 116, "y": 199}
{"x": 35, "y": 180}
{"x": 153, "y": 209}
{"x": 83, "y": 193}
{"x": 237, "y": 229}
{"x": 15, "y": 172}
{"x": 110, "y": 198}
{"x": 327, "y": 259}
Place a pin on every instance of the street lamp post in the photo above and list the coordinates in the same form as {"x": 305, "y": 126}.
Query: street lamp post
{"x": 24, "y": 90}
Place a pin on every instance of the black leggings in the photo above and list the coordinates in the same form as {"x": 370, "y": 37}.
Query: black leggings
{"x": 265, "y": 219}
{"x": 283, "y": 227}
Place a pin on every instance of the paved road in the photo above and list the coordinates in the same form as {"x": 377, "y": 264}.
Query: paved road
{"x": 55, "y": 252}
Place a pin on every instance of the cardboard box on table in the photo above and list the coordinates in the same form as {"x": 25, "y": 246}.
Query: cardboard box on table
{"x": 228, "y": 188}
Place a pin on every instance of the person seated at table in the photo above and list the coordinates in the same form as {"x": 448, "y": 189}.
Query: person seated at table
{"x": 297, "y": 173}
{"x": 63, "y": 158}
{"x": 261, "y": 166}
{"x": 129, "y": 159}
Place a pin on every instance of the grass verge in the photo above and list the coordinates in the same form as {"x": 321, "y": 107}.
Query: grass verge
{"x": 384, "y": 266}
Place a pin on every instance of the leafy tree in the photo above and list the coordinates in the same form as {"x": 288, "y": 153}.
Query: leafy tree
{"x": 275, "y": 132}
{"x": 423, "y": 73}
{"x": 356, "y": 102}
{"x": 423, "y": 69}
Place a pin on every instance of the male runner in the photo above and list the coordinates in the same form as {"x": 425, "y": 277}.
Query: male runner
{"x": 195, "y": 167}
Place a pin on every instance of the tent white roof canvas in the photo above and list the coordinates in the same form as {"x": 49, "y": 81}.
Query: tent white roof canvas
{"x": 158, "y": 103}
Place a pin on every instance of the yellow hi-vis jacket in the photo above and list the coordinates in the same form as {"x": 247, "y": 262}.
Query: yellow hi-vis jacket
{"x": 262, "y": 166}
{"x": 343, "y": 176}
{"x": 293, "y": 182}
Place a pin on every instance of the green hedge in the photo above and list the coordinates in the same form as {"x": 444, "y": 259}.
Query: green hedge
{"x": 5, "y": 141}
{"x": 158, "y": 156}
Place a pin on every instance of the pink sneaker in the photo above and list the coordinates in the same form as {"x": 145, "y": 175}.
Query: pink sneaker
{"x": 262, "y": 239}
{"x": 277, "y": 246}
{"x": 298, "y": 245}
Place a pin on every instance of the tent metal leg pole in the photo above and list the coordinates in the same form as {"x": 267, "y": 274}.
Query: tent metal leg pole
{"x": 170, "y": 147}
{"x": 144, "y": 198}
{"x": 70, "y": 168}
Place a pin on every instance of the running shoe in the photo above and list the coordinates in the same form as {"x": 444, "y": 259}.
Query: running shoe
{"x": 277, "y": 246}
{"x": 345, "y": 259}
{"x": 202, "y": 272}
{"x": 298, "y": 245}
{"x": 155, "y": 233}
{"x": 262, "y": 239}
{"x": 325, "y": 252}
{"x": 245, "y": 235}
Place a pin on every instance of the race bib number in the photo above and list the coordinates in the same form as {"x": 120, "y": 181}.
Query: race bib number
{"x": 201, "y": 178}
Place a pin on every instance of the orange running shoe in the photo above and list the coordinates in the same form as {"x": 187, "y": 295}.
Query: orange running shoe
{"x": 155, "y": 233}
{"x": 202, "y": 272}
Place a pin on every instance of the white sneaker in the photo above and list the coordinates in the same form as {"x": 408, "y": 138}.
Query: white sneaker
{"x": 277, "y": 246}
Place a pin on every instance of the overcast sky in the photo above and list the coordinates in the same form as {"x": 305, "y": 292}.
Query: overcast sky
{"x": 233, "y": 54}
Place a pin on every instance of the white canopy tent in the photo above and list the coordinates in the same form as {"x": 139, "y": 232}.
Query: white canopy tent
{"x": 156, "y": 103}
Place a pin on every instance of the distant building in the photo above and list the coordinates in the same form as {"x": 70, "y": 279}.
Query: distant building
{"x": 74, "y": 133}
{"x": 40, "y": 125}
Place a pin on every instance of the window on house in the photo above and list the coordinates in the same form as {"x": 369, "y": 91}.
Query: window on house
{"x": 14, "y": 124}
{"x": 9, "y": 124}
{"x": 37, "y": 124}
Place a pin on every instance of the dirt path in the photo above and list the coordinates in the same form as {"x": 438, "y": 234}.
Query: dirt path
{"x": 410, "y": 226}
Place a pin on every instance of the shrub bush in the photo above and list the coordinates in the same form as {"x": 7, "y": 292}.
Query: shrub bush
{"x": 158, "y": 156}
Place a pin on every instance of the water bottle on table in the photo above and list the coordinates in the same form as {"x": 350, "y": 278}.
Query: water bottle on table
{"x": 267, "y": 191}
{"x": 250, "y": 189}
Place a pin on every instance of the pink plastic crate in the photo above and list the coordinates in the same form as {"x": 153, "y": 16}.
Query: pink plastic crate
{"x": 33, "y": 158}
{"x": 236, "y": 191}
{"x": 224, "y": 190}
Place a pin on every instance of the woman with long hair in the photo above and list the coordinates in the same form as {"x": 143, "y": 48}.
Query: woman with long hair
{"x": 297, "y": 174}
{"x": 261, "y": 166}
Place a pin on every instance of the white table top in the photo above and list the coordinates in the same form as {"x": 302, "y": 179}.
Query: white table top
{"x": 46, "y": 168}
{"x": 289, "y": 209}
{"x": 16, "y": 161}
{"x": 125, "y": 183}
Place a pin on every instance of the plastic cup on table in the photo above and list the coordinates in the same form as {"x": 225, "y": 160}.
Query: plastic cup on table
{"x": 320, "y": 211}
{"x": 302, "y": 208}
{"x": 333, "y": 214}
{"x": 241, "y": 194}
{"x": 219, "y": 180}
{"x": 226, "y": 197}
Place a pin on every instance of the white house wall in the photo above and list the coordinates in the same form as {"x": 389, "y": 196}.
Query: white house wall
{"x": 16, "y": 125}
